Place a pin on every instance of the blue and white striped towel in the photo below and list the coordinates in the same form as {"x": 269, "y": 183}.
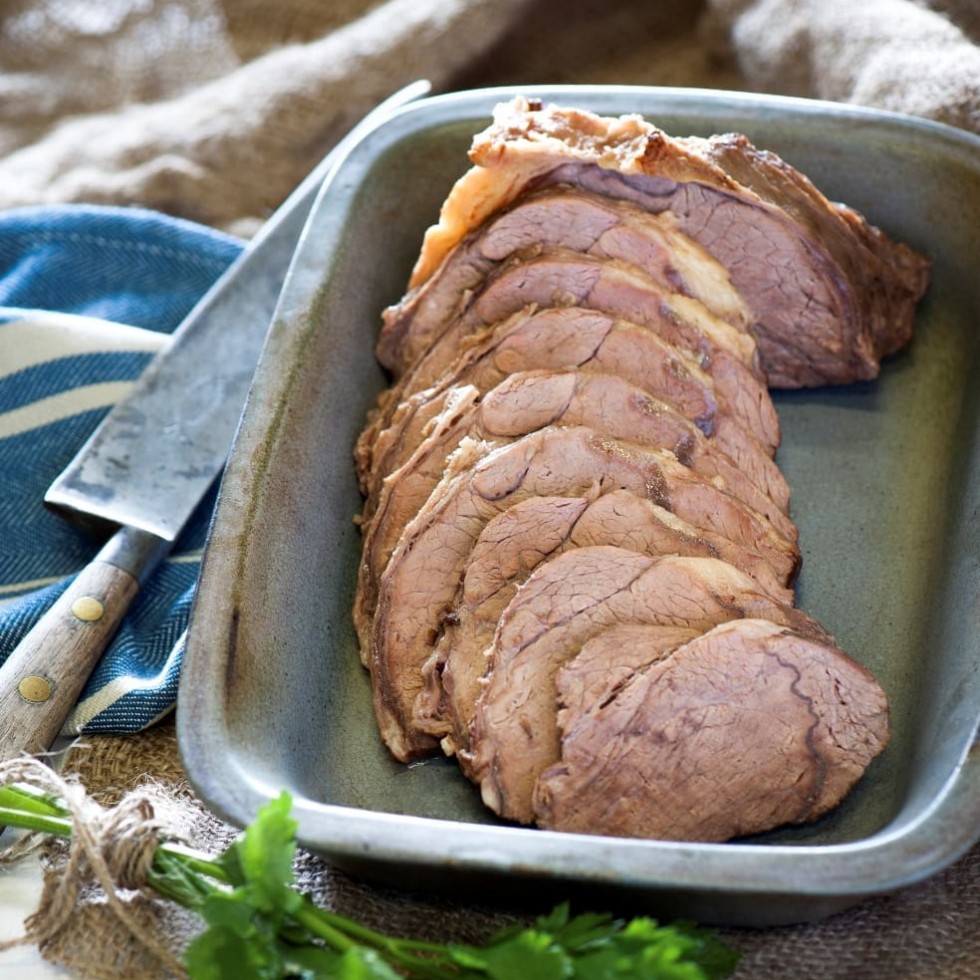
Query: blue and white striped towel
{"x": 87, "y": 296}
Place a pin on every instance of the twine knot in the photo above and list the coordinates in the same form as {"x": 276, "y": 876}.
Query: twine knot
{"x": 113, "y": 848}
{"x": 127, "y": 836}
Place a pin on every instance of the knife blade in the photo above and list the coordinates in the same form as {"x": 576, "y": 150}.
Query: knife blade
{"x": 152, "y": 459}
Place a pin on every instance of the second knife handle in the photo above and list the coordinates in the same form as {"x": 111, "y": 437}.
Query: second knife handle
{"x": 41, "y": 679}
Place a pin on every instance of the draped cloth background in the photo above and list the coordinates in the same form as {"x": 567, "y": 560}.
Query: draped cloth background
{"x": 212, "y": 110}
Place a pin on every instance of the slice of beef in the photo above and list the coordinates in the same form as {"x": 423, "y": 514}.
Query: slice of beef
{"x": 393, "y": 502}
{"x": 616, "y": 407}
{"x": 640, "y": 356}
{"x": 557, "y": 338}
{"x": 829, "y": 294}
{"x": 514, "y": 735}
{"x": 510, "y": 547}
{"x": 523, "y": 403}
{"x": 558, "y": 277}
{"x": 615, "y": 228}
{"x": 748, "y": 727}
{"x": 576, "y": 221}
{"x": 568, "y": 338}
{"x": 594, "y": 677}
{"x": 530, "y": 400}
{"x": 418, "y": 586}
{"x": 431, "y": 375}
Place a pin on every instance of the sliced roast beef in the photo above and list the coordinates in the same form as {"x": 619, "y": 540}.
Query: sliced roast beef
{"x": 564, "y": 603}
{"x": 829, "y": 294}
{"x": 743, "y": 729}
{"x": 577, "y": 559}
{"x": 561, "y": 339}
{"x": 557, "y": 277}
{"x": 510, "y": 547}
{"x": 558, "y": 338}
{"x": 418, "y": 586}
{"x": 704, "y": 490}
{"x": 577, "y": 221}
{"x": 526, "y": 402}
{"x": 530, "y": 400}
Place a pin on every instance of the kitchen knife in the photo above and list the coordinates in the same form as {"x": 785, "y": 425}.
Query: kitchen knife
{"x": 152, "y": 459}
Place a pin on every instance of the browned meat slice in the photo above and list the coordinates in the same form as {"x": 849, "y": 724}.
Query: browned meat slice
{"x": 510, "y": 547}
{"x": 561, "y": 339}
{"x": 741, "y": 730}
{"x": 569, "y": 219}
{"x": 514, "y": 735}
{"x": 558, "y": 277}
{"x": 521, "y": 404}
{"x": 418, "y": 586}
{"x": 829, "y": 294}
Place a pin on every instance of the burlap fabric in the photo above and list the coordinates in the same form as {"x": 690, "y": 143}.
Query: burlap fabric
{"x": 214, "y": 110}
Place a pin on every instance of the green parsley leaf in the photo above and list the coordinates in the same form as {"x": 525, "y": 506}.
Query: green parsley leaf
{"x": 359, "y": 963}
{"x": 221, "y": 953}
{"x": 262, "y": 859}
{"x": 528, "y": 953}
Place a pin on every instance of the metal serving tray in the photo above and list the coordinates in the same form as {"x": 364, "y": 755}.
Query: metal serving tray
{"x": 886, "y": 492}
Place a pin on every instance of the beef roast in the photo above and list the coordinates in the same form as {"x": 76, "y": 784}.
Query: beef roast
{"x": 828, "y": 293}
{"x": 565, "y": 602}
{"x": 510, "y": 547}
{"x": 416, "y": 590}
{"x": 578, "y": 558}
{"x": 745, "y": 728}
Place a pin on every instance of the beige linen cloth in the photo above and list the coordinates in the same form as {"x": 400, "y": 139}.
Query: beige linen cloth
{"x": 214, "y": 109}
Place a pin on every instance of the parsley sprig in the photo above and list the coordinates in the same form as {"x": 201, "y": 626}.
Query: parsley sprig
{"x": 259, "y": 926}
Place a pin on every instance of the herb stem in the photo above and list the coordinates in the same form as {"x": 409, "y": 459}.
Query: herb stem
{"x": 308, "y": 916}
{"x": 33, "y": 820}
{"x": 22, "y": 799}
{"x": 342, "y": 933}
{"x": 196, "y": 861}
{"x": 377, "y": 939}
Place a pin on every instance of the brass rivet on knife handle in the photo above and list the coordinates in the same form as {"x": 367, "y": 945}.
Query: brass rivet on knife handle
{"x": 88, "y": 609}
{"x": 35, "y": 688}
{"x": 66, "y": 644}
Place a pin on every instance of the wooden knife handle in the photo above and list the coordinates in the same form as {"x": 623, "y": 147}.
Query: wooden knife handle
{"x": 41, "y": 679}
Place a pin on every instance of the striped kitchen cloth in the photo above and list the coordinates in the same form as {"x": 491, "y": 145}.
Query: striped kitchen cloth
{"x": 87, "y": 296}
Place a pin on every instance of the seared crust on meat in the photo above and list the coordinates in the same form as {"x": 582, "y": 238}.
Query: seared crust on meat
{"x": 787, "y": 248}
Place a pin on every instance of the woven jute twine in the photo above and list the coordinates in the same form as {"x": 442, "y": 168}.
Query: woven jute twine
{"x": 101, "y": 868}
